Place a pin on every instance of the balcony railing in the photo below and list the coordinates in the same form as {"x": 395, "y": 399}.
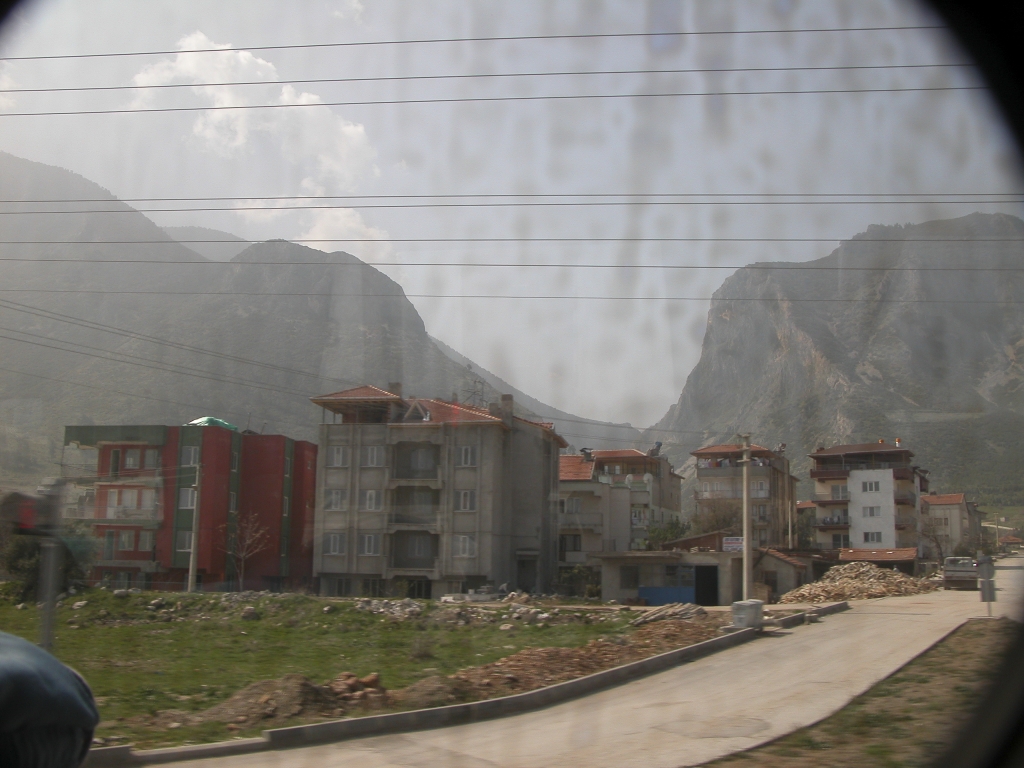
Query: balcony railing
{"x": 411, "y": 516}
{"x": 724, "y": 494}
{"x": 411, "y": 563}
{"x": 580, "y": 520}
{"x": 909, "y": 498}
{"x": 829, "y": 474}
{"x": 833, "y": 521}
{"x": 906, "y": 522}
{"x": 130, "y": 513}
{"x": 831, "y": 498}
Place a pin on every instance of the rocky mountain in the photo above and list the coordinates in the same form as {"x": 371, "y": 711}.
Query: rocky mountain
{"x": 212, "y": 244}
{"x": 105, "y": 318}
{"x": 910, "y": 331}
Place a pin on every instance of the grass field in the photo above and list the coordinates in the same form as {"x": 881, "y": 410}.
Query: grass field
{"x": 908, "y": 719}
{"x": 201, "y": 651}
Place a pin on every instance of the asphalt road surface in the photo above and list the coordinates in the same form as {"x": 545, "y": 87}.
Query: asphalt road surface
{"x": 727, "y": 702}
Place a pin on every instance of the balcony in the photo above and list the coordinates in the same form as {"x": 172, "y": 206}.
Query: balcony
{"x": 905, "y": 522}
{"x": 728, "y": 493}
{"x": 834, "y": 522}
{"x": 411, "y": 517}
{"x": 825, "y": 499}
{"x": 130, "y": 513}
{"x": 592, "y": 521}
{"x": 830, "y": 474}
{"x": 906, "y": 498}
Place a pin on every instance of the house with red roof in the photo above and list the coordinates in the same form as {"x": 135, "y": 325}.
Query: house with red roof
{"x": 422, "y": 497}
{"x": 772, "y": 497}
{"x": 610, "y": 499}
{"x": 949, "y": 524}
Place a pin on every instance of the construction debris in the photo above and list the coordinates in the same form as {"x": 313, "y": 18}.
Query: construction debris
{"x": 669, "y": 611}
{"x": 395, "y": 609}
{"x": 858, "y": 581}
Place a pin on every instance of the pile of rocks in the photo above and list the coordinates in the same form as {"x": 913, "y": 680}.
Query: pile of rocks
{"x": 365, "y": 691}
{"x": 858, "y": 581}
{"x": 395, "y": 609}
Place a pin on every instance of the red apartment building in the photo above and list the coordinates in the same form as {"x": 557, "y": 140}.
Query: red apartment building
{"x": 151, "y": 479}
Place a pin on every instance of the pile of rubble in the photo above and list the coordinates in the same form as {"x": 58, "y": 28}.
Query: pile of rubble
{"x": 858, "y": 581}
{"x": 669, "y": 611}
{"x": 395, "y": 609}
{"x": 538, "y": 667}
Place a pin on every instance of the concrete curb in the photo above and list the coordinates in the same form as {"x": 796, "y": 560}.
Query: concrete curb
{"x": 802, "y": 618}
{"x": 437, "y": 717}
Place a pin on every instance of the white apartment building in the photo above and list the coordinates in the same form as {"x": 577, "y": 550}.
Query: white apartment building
{"x": 867, "y": 496}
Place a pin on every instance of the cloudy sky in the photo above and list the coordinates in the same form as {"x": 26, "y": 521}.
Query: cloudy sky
{"x": 602, "y": 313}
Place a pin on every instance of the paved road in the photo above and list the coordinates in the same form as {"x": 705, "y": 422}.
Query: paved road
{"x": 717, "y": 705}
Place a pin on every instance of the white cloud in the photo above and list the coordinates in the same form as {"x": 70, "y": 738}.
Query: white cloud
{"x": 330, "y": 228}
{"x": 7, "y": 100}
{"x": 348, "y": 9}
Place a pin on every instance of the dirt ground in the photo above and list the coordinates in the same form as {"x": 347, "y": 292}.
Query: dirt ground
{"x": 537, "y": 667}
{"x": 908, "y": 719}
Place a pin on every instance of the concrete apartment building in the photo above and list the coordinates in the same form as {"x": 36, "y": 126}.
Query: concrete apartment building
{"x": 719, "y": 487}
{"x": 430, "y": 497}
{"x": 867, "y": 496}
{"x": 608, "y": 500}
{"x": 949, "y": 525}
{"x": 150, "y": 480}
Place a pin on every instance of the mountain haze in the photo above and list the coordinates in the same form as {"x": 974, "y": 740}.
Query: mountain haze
{"x": 105, "y": 318}
{"x": 910, "y": 331}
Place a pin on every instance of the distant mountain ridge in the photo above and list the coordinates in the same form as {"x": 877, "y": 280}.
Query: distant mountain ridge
{"x": 213, "y": 244}
{"x": 131, "y": 326}
{"x": 903, "y": 331}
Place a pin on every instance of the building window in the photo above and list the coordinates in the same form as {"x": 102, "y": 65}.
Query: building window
{"x": 148, "y": 499}
{"x": 124, "y": 580}
{"x": 372, "y": 456}
{"x": 840, "y": 541}
{"x": 465, "y": 456}
{"x": 569, "y": 542}
{"x": 762, "y": 537}
{"x": 132, "y": 456}
{"x": 234, "y": 461}
{"x": 337, "y": 456}
{"x": 371, "y": 500}
{"x": 872, "y": 511}
{"x": 369, "y": 543}
{"x": 870, "y": 486}
{"x": 286, "y": 508}
{"x": 232, "y": 502}
{"x": 190, "y": 455}
{"x": 840, "y": 492}
{"x": 183, "y": 541}
{"x": 680, "y": 576}
{"x": 422, "y": 460}
{"x": 145, "y": 541}
{"x": 334, "y": 543}
{"x": 872, "y": 537}
{"x": 465, "y": 501}
{"x": 336, "y": 499}
{"x": 572, "y": 505}
{"x": 126, "y": 541}
{"x": 464, "y": 546}
{"x": 129, "y": 498}
{"x": 374, "y": 587}
{"x": 287, "y": 467}
{"x": 112, "y": 494}
{"x": 152, "y": 458}
{"x": 186, "y": 498}
{"x": 629, "y": 576}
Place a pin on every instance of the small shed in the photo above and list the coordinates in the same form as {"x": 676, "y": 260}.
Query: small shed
{"x": 901, "y": 558}
{"x": 711, "y": 541}
{"x": 660, "y": 577}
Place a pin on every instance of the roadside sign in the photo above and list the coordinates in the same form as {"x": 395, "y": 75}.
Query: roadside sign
{"x": 986, "y": 568}
{"x": 732, "y": 543}
{"x": 988, "y": 591}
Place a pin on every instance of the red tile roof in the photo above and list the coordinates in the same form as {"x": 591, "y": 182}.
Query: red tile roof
{"x": 806, "y": 505}
{"x": 895, "y": 555}
{"x": 783, "y": 557}
{"x": 840, "y": 450}
{"x": 732, "y": 449}
{"x": 366, "y": 392}
{"x": 624, "y": 453}
{"x": 449, "y": 413}
{"x": 574, "y": 468}
{"x": 943, "y": 498}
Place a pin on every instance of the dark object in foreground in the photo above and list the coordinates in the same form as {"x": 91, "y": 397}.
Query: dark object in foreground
{"x": 47, "y": 711}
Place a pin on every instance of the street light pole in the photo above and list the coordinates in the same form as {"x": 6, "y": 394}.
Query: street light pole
{"x": 746, "y": 517}
{"x": 193, "y": 555}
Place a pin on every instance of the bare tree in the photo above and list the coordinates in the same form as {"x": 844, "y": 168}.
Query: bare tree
{"x": 933, "y": 532}
{"x": 717, "y": 515}
{"x": 251, "y": 537}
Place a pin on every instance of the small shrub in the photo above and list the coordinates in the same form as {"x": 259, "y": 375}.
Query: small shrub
{"x": 421, "y": 648}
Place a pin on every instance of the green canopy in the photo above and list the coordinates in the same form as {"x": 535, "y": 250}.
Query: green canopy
{"x": 210, "y": 421}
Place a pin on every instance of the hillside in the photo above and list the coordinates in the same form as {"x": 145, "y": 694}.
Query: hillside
{"x": 212, "y": 244}
{"x": 906, "y": 331}
{"x": 106, "y": 319}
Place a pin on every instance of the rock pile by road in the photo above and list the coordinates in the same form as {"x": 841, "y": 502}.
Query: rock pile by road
{"x": 395, "y": 609}
{"x": 669, "y": 611}
{"x": 858, "y": 581}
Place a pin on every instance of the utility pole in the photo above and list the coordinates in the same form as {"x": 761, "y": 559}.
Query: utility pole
{"x": 193, "y": 555}
{"x": 49, "y": 561}
{"x": 746, "y": 517}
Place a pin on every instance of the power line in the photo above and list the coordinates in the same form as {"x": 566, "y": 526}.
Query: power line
{"x": 92, "y": 325}
{"x": 490, "y": 39}
{"x": 490, "y": 99}
{"x": 757, "y": 267}
{"x": 493, "y": 296}
{"x": 847, "y": 240}
{"x": 509, "y": 204}
{"x": 490, "y": 75}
